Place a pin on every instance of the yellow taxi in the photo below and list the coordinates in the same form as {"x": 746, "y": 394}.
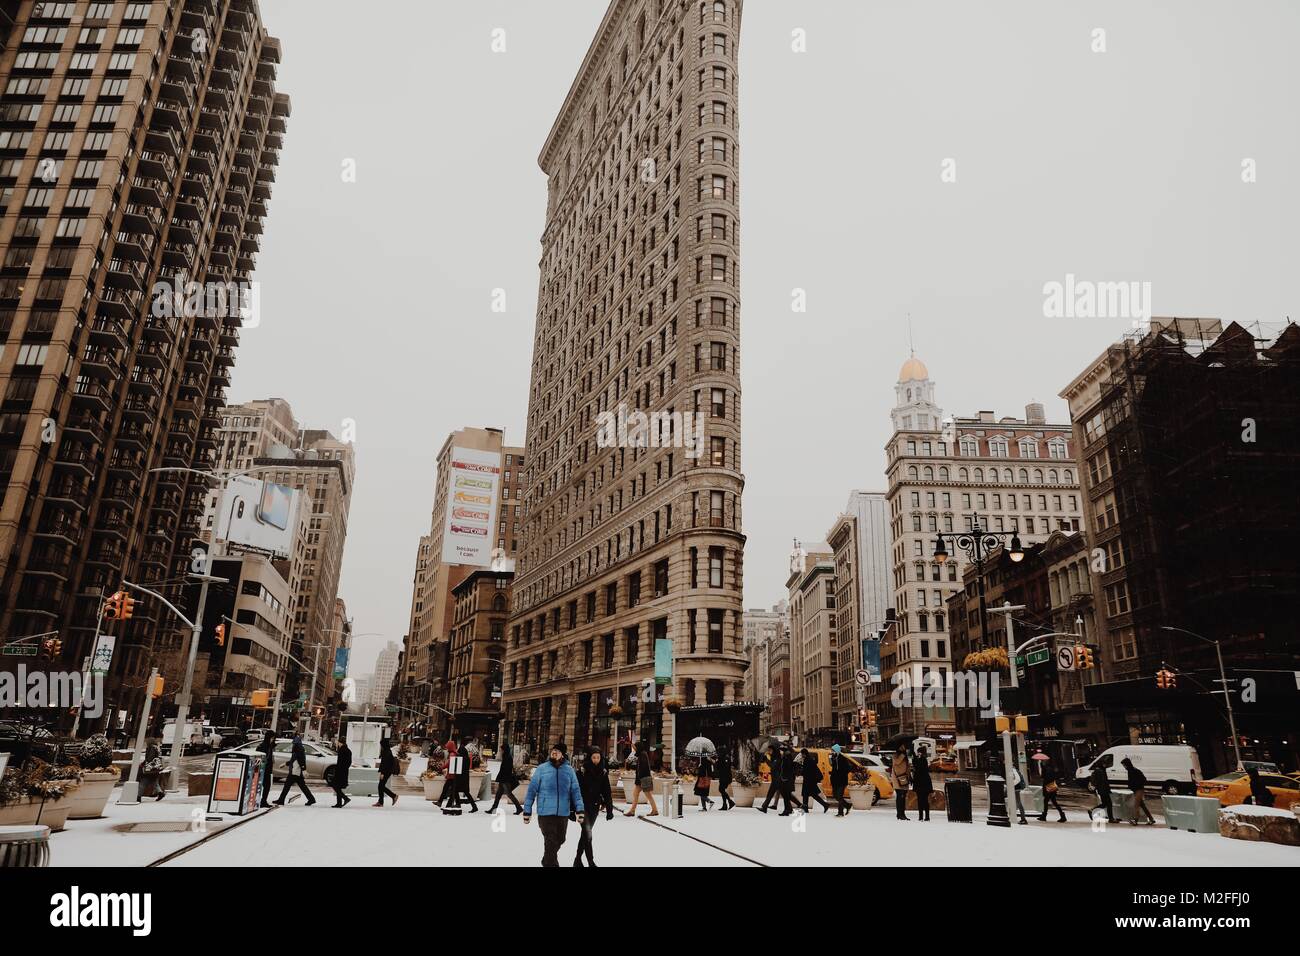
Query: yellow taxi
{"x": 1231, "y": 789}
{"x": 872, "y": 765}
{"x": 944, "y": 763}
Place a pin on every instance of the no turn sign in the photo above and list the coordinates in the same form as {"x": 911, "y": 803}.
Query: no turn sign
{"x": 863, "y": 677}
{"x": 1065, "y": 658}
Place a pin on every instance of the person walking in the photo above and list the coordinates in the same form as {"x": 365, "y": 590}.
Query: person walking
{"x": 593, "y": 780}
{"x": 1101, "y": 785}
{"x": 298, "y": 758}
{"x": 645, "y": 782}
{"x": 812, "y": 782}
{"x": 507, "y": 780}
{"x": 922, "y": 784}
{"x": 774, "y": 790}
{"x": 900, "y": 777}
{"x": 1137, "y": 782}
{"x": 839, "y": 780}
{"x": 388, "y": 765}
{"x": 267, "y": 749}
{"x": 463, "y": 778}
{"x": 703, "y": 781}
{"x": 1260, "y": 795}
{"x": 554, "y": 790}
{"x": 722, "y": 767}
{"x": 449, "y": 790}
{"x": 151, "y": 771}
{"x": 1017, "y": 783}
{"x": 1051, "y": 784}
{"x": 339, "y": 782}
{"x": 788, "y": 771}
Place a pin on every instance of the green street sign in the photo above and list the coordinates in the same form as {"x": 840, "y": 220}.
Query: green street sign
{"x": 1039, "y": 657}
{"x": 1020, "y": 661}
{"x": 19, "y": 650}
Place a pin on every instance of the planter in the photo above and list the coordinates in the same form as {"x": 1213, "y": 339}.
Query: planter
{"x": 92, "y": 796}
{"x": 403, "y": 766}
{"x": 629, "y": 786}
{"x": 689, "y": 797}
{"x": 28, "y": 809}
{"x": 476, "y": 781}
{"x": 521, "y": 790}
{"x": 862, "y": 797}
{"x": 743, "y": 796}
{"x": 433, "y": 788}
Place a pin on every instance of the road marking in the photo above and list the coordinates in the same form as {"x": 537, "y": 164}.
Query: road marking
{"x": 211, "y": 836}
{"x": 721, "y": 849}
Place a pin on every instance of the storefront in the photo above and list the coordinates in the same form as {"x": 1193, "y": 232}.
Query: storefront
{"x": 729, "y": 726}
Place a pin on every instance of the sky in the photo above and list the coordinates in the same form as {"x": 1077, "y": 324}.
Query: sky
{"x": 927, "y": 163}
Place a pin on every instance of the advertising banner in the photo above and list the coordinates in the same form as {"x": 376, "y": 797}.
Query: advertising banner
{"x": 102, "y": 658}
{"x": 663, "y": 660}
{"x": 340, "y": 663}
{"x": 474, "y": 482}
{"x": 258, "y": 515}
{"x": 871, "y": 658}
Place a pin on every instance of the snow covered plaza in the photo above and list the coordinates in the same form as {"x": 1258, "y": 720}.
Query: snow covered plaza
{"x": 415, "y": 833}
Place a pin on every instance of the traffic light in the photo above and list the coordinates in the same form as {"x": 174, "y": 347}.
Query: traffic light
{"x": 261, "y": 698}
{"x": 156, "y": 690}
{"x": 862, "y": 716}
{"x": 1166, "y": 679}
{"x": 871, "y": 718}
{"x": 113, "y": 606}
{"x": 128, "y": 607}
{"x": 56, "y": 649}
{"x": 1084, "y": 658}
{"x": 47, "y": 649}
{"x": 221, "y": 635}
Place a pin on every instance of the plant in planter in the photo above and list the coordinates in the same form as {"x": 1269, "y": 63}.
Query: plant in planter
{"x": 672, "y": 704}
{"x": 37, "y": 794}
{"x": 435, "y": 775}
{"x": 744, "y": 787}
{"x": 98, "y": 778}
{"x": 862, "y": 794}
{"x": 616, "y": 711}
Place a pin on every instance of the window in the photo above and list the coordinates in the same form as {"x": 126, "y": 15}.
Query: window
{"x": 1028, "y": 448}
{"x": 718, "y": 356}
{"x": 970, "y": 447}
{"x": 718, "y": 451}
{"x": 998, "y": 447}
{"x": 719, "y": 403}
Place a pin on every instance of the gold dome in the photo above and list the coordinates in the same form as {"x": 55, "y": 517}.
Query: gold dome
{"x": 913, "y": 370}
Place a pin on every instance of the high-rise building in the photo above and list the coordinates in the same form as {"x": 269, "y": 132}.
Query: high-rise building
{"x": 859, "y": 540}
{"x": 760, "y": 629}
{"x": 1012, "y": 474}
{"x": 637, "y": 316}
{"x": 426, "y": 686}
{"x": 385, "y": 670}
{"x": 138, "y": 144}
{"x": 813, "y": 652}
{"x": 477, "y": 652}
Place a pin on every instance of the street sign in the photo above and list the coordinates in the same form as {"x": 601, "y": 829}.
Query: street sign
{"x": 1020, "y": 661}
{"x": 1039, "y": 657}
{"x": 863, "y": 677}
{"x": 1065, "y": 658}
{"x": 19, "y": 650}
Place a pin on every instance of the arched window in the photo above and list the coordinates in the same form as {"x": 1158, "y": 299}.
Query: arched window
{"x": 1023, "y": 476}
{"x": 1053, "y": 476}
{"x": 1006, "y": 475}
{"x": 943, "y": 474}
{"x": 963, "y": 474}
{"x": 1038, "y": 476}
{"x": 929, "y": 473}
{"x": 912, "y": 472}
{"x": 1069, "y": 476}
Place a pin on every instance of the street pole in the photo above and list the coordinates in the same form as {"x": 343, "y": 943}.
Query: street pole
{"x": 1227, "y": 696}
{"x": 311, "y": 698}
{"x": 183, "y": 698}
{"x": 275, "y": 711}
{"x": 131, "y": 789}
{"x": 1006, "y": 609}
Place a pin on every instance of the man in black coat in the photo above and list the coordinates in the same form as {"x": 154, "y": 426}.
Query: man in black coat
{"x": 267, "y": 749}
{"x": 1137, "y": 782}
{"x": 297, "y": 758}
{"x": 788, "y": 773}
{"x": 340, "y": 779}
{"x": 775, "y": 791}
{"x": 839, "y": 780}
{"x": 1101, "y": 784}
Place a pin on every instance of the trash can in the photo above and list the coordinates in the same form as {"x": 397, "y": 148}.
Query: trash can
{"x": 1193, "y": 814}
{"x": 24, "y": 846}
{"x": 1121, "y": 804}
{"x": 957, "y": 794}
{"x": 1032, "y": 800}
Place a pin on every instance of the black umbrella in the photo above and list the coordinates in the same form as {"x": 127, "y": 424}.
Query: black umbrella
{"x": 899, "y": 740}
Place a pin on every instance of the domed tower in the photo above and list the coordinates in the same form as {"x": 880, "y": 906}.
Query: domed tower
{"x": 914, "y": 407}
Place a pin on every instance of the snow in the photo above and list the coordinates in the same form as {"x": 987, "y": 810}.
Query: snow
{"x": 1250, "y": 810}
{"x": 415, "y": 833}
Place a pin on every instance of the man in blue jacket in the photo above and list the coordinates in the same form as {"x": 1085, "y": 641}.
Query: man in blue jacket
{"x": 554, "y": 786}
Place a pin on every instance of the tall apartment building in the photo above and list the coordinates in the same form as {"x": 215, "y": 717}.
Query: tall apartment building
{"x": 385, "y": 670}
{"x": 859, "y": 541}
{"x": 426, "y": 685}
{"x": 249, "y": 431}
{"x": 638, "y": 312}
{"x": 760, "y": 628}
{"x": 1187, "y": 437}
{"x": 813, "y": 651}
{"x": 138, "y": 144}
{"x": 407, "y": 691}
{"x": 1014, "y": 474}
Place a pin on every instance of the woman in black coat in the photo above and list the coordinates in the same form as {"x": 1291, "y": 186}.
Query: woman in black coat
{"x": 593, "y": 781}
{"x": 921, "y": 783}
{"x": 339, "y": 782}
{"x": 388, "y": 765}
{"x": 839, "y": 780}
{"x": 507, "y": 780}
{"x": 1051, "y": 785}
{"x": 812, "y": 782}
{"x": 703, "y": 781}
{"x": 722, "y": 768}
{"x": 462, "y": 780}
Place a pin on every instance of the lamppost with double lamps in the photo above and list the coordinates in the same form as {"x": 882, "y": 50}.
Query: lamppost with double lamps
{"x": 977, "y": 543}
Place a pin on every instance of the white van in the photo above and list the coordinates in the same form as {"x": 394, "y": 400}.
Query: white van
{"x": 1172, "y": 768}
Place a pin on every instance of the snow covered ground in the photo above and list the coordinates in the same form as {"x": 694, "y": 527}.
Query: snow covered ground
{"x": 414, "y": 833}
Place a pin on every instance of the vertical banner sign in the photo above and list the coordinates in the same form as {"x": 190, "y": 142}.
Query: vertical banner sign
{"x": 340, "y": 663}
{"x": 871, "y": 658}
{"x": 663, "y": 660}
{"x": 474, "y": 482}
{"x": 102, "y": 657}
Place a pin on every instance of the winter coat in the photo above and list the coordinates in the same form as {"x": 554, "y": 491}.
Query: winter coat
{"x": 506, "y": 775}
{"x": 900, "y": 772}
{"x": 388, "y": 763}
{"x": 642, "y": 765}
{"x": 839, "y": 770}
{"x": 297, "y": 756}
{"x": 1100, "y": 782}
{"x": 722, "y": 769}
{"x": 1259, "y": 792}
{"x": 452, "y": 752}
{"x": 812, "y": 775}
{"x": 467, "y": 758}
{"x": 267, "y": 748}
{"x": 593, "y": 782}
{"x": 341, "y": 767}
{"x": 788, "y": 770}
{"x": 1050, "y": 774}
{"x": 555, "y": 790}
{"x": 1137, "y": 780}
{"x": 921, "y": 782}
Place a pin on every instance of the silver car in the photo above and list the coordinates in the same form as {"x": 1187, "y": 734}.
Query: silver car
{"x": 320, "y": 759}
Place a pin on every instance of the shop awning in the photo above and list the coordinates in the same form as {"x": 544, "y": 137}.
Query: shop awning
{"x": 968, "y": 744}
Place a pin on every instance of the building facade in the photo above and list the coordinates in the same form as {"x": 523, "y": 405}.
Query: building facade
{"x": 133, "y": 162}
{"x": 760, "y": 629}
{"x": 635, "y": 537}
{"x": 945, "y": 473}
{"x": 813, "y": 650}
{"x": 477, "y": 654}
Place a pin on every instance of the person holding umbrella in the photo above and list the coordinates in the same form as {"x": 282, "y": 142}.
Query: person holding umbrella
{"x": 900, "y": 776}
{"x": 702, "y": 748}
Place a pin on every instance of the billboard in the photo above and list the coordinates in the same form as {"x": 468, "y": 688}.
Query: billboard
{"x": 258, "y": 515}
{"x": 474, "y": 482}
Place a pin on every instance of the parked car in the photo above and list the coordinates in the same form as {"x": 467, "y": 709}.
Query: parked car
{"x": 1173, "y": 768}
{"x": 226, "y": 737}
{"x": 1231, "y": 789}
{"x": 320, "y": 759}
{"x": 1263, "y": 766}
{"x": 944, "y": 763}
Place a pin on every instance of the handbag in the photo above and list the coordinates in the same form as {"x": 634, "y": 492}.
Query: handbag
{"x": 702, "y": 783}
{"x": 1051, "y": 787}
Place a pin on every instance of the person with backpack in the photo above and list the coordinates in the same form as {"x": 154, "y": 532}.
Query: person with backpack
{"x": 1137, "y": 782}
{"x": 298, "y": 757}
{"x": 812, "y": 782}
{"x": 388, "y": 765}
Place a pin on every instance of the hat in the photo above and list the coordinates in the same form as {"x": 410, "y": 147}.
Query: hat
{"x": 559, "y": 745}
{"x": 835, "y": 747}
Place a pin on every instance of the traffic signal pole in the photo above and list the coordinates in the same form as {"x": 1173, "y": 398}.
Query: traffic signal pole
{"x": 131, "y": 788}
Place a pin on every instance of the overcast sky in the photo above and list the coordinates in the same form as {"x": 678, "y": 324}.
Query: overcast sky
{"x": 1117, "y": 165}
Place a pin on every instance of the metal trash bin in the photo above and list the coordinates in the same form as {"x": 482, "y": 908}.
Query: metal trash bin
{"x": 1193, "y": 814}
{"x": 1032, "y": 799}
{"x": 957, "y": 794}
{"x": 24, "y": 846}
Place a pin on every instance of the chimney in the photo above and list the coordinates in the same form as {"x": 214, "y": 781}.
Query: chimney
{"x": 986, "y": 416}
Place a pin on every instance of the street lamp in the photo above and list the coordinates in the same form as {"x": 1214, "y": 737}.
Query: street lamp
{"x": 1227, "y": 693}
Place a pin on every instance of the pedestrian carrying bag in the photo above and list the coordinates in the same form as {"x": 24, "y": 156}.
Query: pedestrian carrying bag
{"x": 1051, "y": 787}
